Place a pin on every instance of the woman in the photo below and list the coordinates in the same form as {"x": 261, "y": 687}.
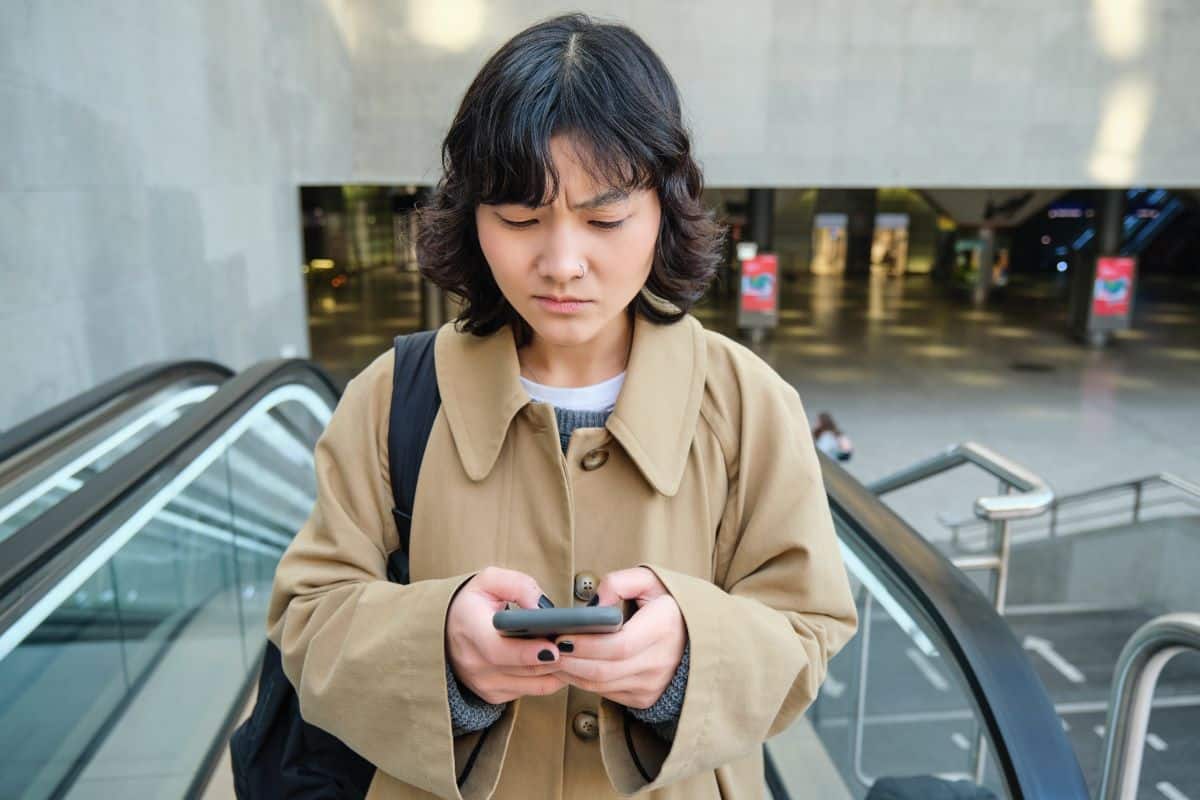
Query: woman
{"x": 594, "y": 445}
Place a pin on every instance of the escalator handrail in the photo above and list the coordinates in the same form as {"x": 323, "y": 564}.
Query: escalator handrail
{"x": 142, "y": 379}
{"x": 1031, "y": 750}
{"x": 160, "y": 458}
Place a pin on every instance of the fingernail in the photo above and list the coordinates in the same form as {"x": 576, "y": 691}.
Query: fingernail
{"x": 545, "y": 602}
{"x": 595, "y": 601}
{"x": 545, "y": 655}
{"x": 566, "y": 646}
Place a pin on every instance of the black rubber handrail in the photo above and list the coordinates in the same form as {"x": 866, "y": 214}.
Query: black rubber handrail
{"x": 1028, "y": 742}
{"x": 152, "y": 464}
{"x": 141, "y": 380}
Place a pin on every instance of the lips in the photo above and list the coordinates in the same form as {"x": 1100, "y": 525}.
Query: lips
{"x": 561, "y": 306}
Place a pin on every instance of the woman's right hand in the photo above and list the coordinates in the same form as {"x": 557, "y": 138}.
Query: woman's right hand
{"x": 498, "y": 668}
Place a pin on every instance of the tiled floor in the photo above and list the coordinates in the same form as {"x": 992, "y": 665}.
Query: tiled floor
{"x": 908, "y": 369}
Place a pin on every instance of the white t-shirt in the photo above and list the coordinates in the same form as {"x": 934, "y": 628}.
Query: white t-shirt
{"x": 597, "y": 397}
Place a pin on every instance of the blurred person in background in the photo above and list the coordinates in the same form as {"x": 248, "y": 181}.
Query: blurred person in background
{"x": 830, "y": 440}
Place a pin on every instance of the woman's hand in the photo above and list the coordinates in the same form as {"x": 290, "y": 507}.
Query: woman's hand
{"x": 634, "y": 665}
{"x": 497, "y": 668}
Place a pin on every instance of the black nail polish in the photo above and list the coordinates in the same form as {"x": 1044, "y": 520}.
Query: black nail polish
{"x": 545, "y": 602}
{"x": 545, "y": 655}
{"x": 566, "y": 646}
{"x": 595, "y": 601}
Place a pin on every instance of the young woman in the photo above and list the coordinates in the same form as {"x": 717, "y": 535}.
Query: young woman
{"x": 594, "y": 445}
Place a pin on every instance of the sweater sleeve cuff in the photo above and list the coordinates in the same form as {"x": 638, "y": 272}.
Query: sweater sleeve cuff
{"x": 663, "y": 716}
{"x": 468, "y": 713}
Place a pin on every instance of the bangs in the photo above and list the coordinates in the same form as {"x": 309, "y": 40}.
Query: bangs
{"x": 515, "y": 166}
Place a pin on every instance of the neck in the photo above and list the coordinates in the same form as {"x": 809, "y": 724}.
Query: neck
{"x": 584, "y": 364}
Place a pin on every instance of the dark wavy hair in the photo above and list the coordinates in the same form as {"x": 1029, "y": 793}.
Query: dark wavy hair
{"x": 601, "y": 85}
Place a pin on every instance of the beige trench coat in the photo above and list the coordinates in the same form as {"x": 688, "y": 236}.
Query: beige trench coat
{"x": 711, "y": 480}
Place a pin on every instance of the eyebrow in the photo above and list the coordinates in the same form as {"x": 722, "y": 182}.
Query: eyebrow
{"x": 603, "y": 199}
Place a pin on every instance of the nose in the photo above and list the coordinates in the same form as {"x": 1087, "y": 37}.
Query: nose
{"x": 561, "y": 259}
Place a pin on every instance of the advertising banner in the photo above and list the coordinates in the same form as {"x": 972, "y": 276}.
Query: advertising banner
{"x": 760, "y": 284}
{"x": 1113, "y": 293}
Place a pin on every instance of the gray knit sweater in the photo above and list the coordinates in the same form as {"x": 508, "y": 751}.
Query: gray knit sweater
{"x": 469, "y": 713}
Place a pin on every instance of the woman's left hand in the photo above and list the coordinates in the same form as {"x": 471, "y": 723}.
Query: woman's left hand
{"x": 634, "y": 665}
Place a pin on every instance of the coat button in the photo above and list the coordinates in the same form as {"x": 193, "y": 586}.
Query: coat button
{"x": 586, "y": 725}
{"x": 585, "y": 586}
{"x": 594, "y": 459}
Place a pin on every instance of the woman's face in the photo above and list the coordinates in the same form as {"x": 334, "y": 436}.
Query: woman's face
{"x": 535, "y": 253}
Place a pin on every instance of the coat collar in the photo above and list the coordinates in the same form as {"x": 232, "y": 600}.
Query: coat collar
{"x": 654, "y": 419}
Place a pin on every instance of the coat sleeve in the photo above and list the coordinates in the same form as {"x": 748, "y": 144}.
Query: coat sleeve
{"x": 367, "y": 657}
{"x": 762, "y": 633}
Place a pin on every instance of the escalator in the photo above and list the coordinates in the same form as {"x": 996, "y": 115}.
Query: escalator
{"x": 51, "y": 455}
{"x": 1151, "y": 211}
{"x": 131, "y": 611}
{"x": 132, "y": 614}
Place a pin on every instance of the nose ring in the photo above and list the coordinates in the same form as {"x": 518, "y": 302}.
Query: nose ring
{"x": 582, "y": 269}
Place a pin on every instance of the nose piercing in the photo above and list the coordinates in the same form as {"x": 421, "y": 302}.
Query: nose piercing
{"x": 582, "y": 269}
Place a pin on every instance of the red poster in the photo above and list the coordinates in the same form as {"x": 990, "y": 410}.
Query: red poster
{"x": 760, "y": 284}
{"x": 1114, "y": 286}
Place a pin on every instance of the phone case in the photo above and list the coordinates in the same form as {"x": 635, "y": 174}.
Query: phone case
{"x": 530, "y": 623}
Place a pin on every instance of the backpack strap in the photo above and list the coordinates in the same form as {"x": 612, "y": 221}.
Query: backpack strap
{"x": 415, "y": 403}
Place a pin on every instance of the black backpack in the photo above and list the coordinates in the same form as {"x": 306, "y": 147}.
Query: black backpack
{"x": 275, "y": 753}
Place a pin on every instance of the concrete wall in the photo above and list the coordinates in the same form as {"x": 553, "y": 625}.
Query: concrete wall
{"x": 151, "y": 152}
{"x": 149, "y": 165}
{"x": 805, "y": 93}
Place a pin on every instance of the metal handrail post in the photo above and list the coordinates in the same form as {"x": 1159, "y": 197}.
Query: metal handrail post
{"x": 1138, "y": 668}
{"x": 1002, "y": 570}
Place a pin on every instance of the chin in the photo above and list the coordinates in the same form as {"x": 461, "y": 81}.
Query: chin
{"x": 564, "y": 332}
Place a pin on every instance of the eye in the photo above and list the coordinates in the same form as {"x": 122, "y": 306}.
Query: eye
{"x": 608, "y": 226}
{"x": 519, "y": 223}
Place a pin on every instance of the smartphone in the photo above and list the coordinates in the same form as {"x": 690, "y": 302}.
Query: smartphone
{"x": 546, "y": 623}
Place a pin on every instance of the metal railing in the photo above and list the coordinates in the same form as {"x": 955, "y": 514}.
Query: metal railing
{"x": 1022, "y": 495}
{"x": 1141, "y": 661}
{"x": 1187, "y": 494}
